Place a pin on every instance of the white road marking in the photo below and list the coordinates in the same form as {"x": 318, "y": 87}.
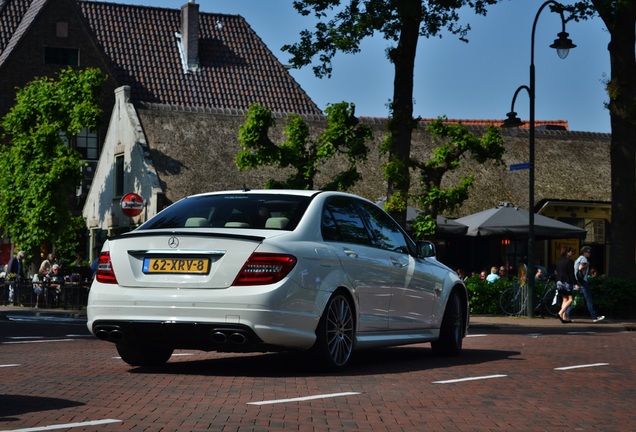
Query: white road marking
{"x": 65, "y": 426}
{"x": 9, "y": 365}
{"x": 38, "y": 341}
{"x": 582, "y": 366}
{"x": 477, "y": 335}
{"x": 25, "y": 337}
{"x": 305, "y": 398}
{"x": 469, "y": 379}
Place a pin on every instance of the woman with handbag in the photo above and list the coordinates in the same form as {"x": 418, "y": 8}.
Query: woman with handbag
{"x": 565, "y": 281}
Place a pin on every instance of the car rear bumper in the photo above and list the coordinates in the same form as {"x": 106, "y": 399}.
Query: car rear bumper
{"x": 283, "y": 316}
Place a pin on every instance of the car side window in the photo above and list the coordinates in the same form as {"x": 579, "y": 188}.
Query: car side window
{"x": 341, "y": 222}
{"x": 386, "y": 233}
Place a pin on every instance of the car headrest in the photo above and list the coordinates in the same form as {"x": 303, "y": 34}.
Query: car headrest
{"x": 276, "y": 222}
{"x": 196, "y": 222}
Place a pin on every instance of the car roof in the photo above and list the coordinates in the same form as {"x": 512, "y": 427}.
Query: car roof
{"x": 298, "y": 192}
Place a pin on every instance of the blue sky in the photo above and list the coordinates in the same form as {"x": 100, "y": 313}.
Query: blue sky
{"x": 475, "y": 80}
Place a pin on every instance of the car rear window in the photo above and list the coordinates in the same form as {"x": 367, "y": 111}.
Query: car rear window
{"x": 247, "y": 211}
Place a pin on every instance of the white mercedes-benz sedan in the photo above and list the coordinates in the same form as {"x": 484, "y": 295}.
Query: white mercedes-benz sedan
{"x": 327, "y": 273}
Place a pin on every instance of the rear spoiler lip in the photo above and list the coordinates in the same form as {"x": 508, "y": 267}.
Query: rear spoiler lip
{"x": 187, "y": 233}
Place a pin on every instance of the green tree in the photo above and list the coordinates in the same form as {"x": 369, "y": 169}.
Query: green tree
{"x": 455, "y": 143}
{"x": 403, "y": 22}
{"x": 38, "y": 171}
{"x": 343, "y": 136}
{"x": 619, "y": 17}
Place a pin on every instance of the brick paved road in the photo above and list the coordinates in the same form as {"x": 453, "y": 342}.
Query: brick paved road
{"x": 510, "y": 370}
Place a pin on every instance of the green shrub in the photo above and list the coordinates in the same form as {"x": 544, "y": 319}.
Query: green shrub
{"x": 613, "y": 297}
{"x": 484, "y": 296}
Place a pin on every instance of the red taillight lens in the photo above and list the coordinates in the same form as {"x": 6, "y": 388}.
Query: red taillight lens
{"x": 265, "y": 268}
{"x": 105, "y": 273}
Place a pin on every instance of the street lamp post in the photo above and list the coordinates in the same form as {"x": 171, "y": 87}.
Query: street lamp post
{"x": 563, "y": 46}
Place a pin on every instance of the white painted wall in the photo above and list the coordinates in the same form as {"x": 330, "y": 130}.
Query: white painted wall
{"x": 124, "y": 136}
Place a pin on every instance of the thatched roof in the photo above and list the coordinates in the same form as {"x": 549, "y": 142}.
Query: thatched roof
{"x": 194, "y": 152}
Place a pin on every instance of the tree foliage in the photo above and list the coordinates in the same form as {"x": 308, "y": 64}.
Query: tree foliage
{"x": 455, "y": 144}
{"x": 619, "y": 16}
{"x": 342, "y": 26}
{"x": 344, "y": 136}
{"x": 38, "y": 171}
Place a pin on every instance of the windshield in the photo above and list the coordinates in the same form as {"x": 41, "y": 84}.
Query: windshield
{"x": 248, "y": 211}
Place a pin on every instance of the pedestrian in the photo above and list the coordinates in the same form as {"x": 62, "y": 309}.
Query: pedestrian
{"x": 581, "y": 268}
{"x": 15, "y": 268}
{"x": 493, "y": 276}
{"x": 565, "y": 281}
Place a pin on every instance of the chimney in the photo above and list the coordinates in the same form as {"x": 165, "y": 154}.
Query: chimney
{"x": 190, "y": 33}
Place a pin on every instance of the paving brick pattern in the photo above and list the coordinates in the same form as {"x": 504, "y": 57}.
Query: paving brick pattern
{"x": 65, "y": 378}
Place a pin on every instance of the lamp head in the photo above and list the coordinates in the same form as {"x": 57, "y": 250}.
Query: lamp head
{"x": 563, "y": 45}
{"x": 512, "y": 121}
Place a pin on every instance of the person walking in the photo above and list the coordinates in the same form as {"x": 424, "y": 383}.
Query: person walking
{"x": 565, "y": 281}
{"x": 15, "y": 267}
{"x": 581, "y": 268}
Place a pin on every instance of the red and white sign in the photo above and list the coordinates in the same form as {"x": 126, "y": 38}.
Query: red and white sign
{"x": 132, "y": 205}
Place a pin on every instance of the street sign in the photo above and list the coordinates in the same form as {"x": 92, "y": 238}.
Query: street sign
{"x": 132, "y": 205}
{"x": 520, "y": 166}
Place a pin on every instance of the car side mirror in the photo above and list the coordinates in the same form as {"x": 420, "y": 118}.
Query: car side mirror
{"x": 426, "y": 249}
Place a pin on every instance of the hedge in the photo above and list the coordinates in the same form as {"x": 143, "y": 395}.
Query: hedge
{"x": 613, "y": 297}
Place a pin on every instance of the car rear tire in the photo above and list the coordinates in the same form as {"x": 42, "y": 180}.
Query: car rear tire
{"x": 335, "y": 334}
{"x": 451, "y": 333}
{"x": 144, "y": 355}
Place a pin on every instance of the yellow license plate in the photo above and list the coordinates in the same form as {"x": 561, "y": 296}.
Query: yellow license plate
{"x": 177, "y": 265}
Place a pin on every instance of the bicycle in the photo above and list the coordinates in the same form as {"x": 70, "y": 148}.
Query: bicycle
{"x": 549, "y": 300}
{"x": 513, "y": 300}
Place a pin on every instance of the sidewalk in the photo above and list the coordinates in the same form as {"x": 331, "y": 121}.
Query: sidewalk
{"x": 476, "y": 321}
{"x": 485, "y": 321}
{"x": 22, "y": 310}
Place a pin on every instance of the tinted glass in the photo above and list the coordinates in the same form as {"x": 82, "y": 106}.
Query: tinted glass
{"x": 253, "y": 211}
{"x": 386, "y": 232}
{"x": 341, "y": 222}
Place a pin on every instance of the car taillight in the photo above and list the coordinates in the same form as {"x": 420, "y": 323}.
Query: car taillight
{"x": 265, "y": 268}
{"x": 105, "y": 273}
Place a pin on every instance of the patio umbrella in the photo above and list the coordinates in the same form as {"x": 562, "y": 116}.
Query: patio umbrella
{"x": 450, "y": 227}
{"x": 445, "y": 226}
{"x": 506, "y": 220}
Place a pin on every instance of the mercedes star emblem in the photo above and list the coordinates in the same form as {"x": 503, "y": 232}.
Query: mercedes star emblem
{"x": 173, "y": 242}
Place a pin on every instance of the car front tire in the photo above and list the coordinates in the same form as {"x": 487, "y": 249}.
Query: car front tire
{"x": 452, "y": 330}
{"x": 142, "y": 355}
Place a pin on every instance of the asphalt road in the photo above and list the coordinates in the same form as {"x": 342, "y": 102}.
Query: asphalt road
{"x": 513, "y": 374}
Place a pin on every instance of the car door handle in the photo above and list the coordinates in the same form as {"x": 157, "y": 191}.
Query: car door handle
{"x": 397, "y": 263}
{"x": 350, "y": 253}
